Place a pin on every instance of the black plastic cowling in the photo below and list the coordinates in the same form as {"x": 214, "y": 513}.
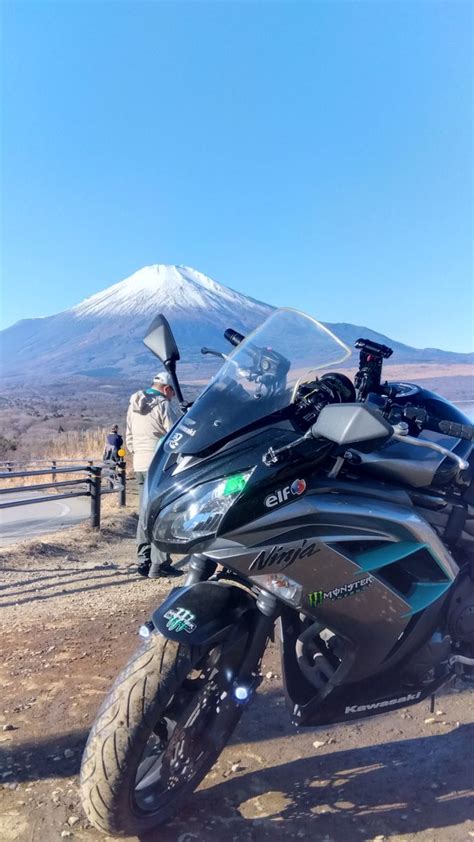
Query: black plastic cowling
{"x": 202, "y": 613}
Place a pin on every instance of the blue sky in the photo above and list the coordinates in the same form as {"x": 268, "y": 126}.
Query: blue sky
{"x": 316, "y": 155}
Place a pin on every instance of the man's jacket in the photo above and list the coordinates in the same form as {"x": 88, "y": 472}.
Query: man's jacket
{"x": 112, "y": 445}
{"x": 150, "y": 416}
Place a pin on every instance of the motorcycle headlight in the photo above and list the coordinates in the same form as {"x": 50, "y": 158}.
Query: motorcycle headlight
{"x": 198, "y": 513}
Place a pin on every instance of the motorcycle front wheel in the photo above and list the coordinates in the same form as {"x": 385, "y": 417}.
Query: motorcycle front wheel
{"x": 159, "y": 731}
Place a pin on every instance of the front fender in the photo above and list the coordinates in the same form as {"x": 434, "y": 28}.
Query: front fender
{"x": 203, "y": 613}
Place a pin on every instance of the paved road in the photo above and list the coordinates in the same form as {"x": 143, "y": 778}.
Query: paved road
{"x": 22, "y": 522}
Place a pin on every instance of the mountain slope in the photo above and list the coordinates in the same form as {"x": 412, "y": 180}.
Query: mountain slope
{"x": 102, "y": 336}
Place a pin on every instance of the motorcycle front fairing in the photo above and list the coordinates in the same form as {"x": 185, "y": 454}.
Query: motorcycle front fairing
{"x": 242, "y": 457}
{"x": 247, "y": 405}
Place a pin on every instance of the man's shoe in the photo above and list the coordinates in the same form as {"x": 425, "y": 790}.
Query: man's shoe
{"x": 165, "y": 571}
{"x": 143, "y": 569}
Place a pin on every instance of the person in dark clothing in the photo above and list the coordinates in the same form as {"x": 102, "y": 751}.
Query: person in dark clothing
{"x": 113, "y": 444}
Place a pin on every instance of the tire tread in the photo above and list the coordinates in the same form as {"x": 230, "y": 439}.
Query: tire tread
{"x": 148, "y": 680}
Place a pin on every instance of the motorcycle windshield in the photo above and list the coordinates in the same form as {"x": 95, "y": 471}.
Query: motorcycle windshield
{"x": 259, "y": 377}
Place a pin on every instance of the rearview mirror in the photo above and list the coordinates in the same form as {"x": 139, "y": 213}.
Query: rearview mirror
{"x": 161, "y": 342}
{"x": 348, "y": 423}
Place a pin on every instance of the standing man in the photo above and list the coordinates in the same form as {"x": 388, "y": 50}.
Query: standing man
{"x": 150, "y": 416}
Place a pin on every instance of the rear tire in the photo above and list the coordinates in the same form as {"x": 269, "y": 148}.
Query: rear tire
{"x": 136, "y": 715}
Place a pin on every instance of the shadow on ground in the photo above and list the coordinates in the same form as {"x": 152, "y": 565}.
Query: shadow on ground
{"x": 399, "y": 787}
{"x": 42, "y": 759}
{"x": 402, "y": 786}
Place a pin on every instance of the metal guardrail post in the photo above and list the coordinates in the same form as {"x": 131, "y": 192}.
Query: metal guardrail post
{"x": 122, "y": 478}
{"x": 50, "y": 468}
{"x": 95, "y": 480}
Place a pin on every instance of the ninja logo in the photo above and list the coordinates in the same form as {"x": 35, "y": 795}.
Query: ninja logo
{"x": 283, "y": 556}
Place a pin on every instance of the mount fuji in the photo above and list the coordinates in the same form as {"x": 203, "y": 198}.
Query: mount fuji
{"x": 101, "y": 338}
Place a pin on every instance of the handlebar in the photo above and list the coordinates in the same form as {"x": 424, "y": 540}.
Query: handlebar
{"x": 459, "y": 431}
{"x": 400, "y": 432}
{"x": 428, "y": 422}
{"x": 233, "y": 336}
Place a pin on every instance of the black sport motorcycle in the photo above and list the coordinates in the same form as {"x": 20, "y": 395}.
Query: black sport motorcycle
{"x": 342, "y": 512}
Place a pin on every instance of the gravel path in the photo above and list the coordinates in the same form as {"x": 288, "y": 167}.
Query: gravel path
{"x": 70, "y": 611}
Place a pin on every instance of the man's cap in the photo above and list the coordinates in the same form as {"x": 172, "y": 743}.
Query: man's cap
{"x": 163, "y": 377}
{"x": 115, "y": 427}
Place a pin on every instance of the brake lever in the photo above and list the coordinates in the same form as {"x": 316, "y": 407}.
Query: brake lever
{"x": 214, "y": 353}
{"x": 400, "y": 433}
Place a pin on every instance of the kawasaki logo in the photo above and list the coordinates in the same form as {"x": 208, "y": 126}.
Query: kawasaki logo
{"x": 410, "y": 697}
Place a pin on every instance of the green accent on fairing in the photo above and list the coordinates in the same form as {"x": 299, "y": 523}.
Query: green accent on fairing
{"x": 375, "y": 559}
{"x": 423, "y": 594}
{"x": 235, "y": 484}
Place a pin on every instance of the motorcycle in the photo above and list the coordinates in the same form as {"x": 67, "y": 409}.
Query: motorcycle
{"x": 339, "y": 512}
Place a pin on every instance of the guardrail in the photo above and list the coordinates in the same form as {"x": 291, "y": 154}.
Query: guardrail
{"x": 94, "y": 474}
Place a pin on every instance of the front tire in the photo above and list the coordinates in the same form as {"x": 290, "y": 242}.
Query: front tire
{"x": 157, "y": 734}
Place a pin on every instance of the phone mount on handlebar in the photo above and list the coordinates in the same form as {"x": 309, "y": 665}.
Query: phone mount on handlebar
{"x": 369, "y": 376}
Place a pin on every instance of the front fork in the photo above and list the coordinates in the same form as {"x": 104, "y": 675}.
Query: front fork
{"x": 247, "y": 678}
{"x": 200, "y": 568}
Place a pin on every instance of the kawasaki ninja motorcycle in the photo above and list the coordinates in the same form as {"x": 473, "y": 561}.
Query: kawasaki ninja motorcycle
{"x": 339, "y": 513}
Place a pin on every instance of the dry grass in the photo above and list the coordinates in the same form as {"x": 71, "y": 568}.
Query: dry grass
{"x": 75, "y": 447}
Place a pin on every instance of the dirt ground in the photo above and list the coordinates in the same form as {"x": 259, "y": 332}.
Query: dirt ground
{"x": 71, "y": 608}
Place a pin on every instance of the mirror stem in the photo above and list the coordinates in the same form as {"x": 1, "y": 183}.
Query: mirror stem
{"x": 170, "y": 366}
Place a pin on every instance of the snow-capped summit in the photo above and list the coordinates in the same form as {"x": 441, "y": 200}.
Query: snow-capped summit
{"x": 168, "y": 287}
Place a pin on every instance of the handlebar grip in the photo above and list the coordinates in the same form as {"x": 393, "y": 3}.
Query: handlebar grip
{"x": 233, "y": 336}
{"x": 459, "y": 431}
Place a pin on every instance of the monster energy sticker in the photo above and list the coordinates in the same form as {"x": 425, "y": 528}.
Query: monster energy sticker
{"x": 317, "y": 597}
{"x": 180, "y": 619}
